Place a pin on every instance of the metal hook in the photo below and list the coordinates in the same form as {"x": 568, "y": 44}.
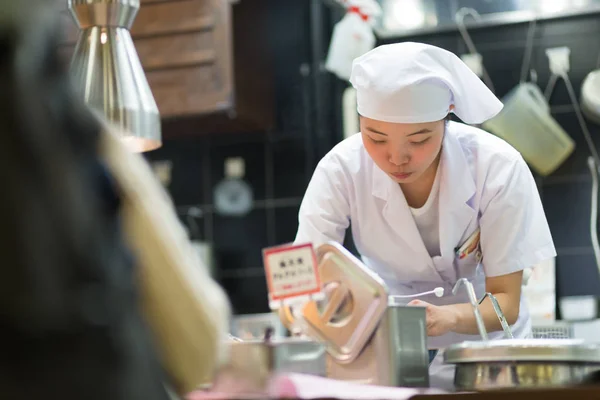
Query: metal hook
{"x": 460, "y": 22}
{"x": 474, "y": 303}
{"x": 550, "y": 86}
{"x": 191, "y": 214}
{"x": 499, "y": 313}
{"x": 528, "y": 51}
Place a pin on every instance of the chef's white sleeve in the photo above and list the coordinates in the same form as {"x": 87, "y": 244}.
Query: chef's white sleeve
{"x": 325, "y": 211}
{"x": 514, "y": 231}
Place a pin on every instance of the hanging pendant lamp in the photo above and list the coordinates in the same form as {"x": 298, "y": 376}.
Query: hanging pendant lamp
{"x": 108, "y": 74}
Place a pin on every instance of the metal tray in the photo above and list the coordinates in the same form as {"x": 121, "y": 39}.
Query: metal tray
{"x": 553, "y": 350}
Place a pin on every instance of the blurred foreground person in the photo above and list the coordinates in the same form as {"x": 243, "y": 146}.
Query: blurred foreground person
{"x": 101, "y": 294}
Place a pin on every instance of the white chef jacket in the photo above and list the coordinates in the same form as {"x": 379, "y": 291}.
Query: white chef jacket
{"x": 484, "y": 183}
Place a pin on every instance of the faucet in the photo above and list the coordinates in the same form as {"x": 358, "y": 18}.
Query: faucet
{"x": 474, "y": 303}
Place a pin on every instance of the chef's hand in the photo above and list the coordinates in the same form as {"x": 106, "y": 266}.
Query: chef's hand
{"x": 440, "y": 319}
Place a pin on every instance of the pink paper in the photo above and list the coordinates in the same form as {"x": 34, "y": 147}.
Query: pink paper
{"x": 309, "y": 387}
{"x": 314, "y": 387}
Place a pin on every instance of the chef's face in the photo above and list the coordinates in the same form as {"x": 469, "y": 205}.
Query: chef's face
{"x": 404, "y": 151}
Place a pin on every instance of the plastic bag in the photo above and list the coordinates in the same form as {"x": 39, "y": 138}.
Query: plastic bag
{"x": 352, "y": 37}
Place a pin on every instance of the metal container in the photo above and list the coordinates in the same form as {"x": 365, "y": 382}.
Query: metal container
{"x": 367, "y": 340}
{"x": 396, "y": 354}
{"x": 253, "y": 326}
{"x": 258, "y": 359}
{"x": 522, "y": 363}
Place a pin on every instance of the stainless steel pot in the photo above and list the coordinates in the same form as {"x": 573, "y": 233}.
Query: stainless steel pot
{"x": 522, "y": 363}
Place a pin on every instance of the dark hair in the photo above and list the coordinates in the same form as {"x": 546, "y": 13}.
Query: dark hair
{"x": 69, "y": 324}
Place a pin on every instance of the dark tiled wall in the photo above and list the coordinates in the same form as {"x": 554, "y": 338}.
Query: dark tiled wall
{"x": 275, "y": 167}
{"x": 275, "y": 170}
{"x": 278, "y": 171}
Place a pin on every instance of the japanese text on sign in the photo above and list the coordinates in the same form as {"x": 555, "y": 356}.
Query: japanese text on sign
{"x": 291, "y": 271}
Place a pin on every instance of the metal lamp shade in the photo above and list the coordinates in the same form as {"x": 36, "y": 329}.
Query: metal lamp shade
{"x": 108, "y": 74}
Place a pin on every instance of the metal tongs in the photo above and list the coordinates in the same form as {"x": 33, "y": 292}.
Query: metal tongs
{"x": 475, "y": 304}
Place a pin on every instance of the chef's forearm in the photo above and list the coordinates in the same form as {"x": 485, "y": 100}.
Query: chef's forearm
{"x": 465, "y": 318}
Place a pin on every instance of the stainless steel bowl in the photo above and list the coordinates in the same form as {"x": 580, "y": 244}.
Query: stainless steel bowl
{"x": 522, "y": 363}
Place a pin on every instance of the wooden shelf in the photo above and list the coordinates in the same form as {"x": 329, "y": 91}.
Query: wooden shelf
{"x": 205, "y": 61}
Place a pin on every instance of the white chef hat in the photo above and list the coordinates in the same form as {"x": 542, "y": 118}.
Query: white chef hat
{"x": 415, "y": 82}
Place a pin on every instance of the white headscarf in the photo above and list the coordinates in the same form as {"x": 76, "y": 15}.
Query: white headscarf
{"x": 415, "y": 82}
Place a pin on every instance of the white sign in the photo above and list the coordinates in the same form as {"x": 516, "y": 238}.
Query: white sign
{"x": 291, "y": 271}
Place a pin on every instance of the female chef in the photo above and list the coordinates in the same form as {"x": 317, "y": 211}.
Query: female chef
{"x": 431, "y": 201}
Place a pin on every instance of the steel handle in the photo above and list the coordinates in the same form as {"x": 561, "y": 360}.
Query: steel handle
{"x": 474, "y": 303}
{"x": 499, "y": 314}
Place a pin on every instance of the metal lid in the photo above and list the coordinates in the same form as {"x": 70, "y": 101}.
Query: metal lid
{"x": 534, "y": 350}
{"x": 273, "y": 342}
{"x": 345, "y": 335}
